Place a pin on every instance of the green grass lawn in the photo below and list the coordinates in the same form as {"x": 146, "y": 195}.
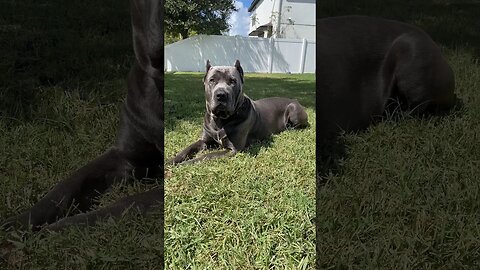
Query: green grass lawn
{"x": 251, "y": 211}
{"x": 406, "y": 193}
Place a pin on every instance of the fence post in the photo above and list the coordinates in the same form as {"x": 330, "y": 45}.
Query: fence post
{"x": 270, "y": 58}
{"x": 302, "y": 56}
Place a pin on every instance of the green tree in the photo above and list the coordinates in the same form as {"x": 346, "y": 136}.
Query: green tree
{"x": 182, "y": 17}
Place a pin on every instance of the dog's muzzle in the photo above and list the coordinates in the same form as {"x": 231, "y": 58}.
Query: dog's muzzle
{"x": 220, "y": 102}
{"x": 220, "y": 110}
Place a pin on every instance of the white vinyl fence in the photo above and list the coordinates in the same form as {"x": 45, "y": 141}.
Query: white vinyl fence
{"x": 260, "y": 55}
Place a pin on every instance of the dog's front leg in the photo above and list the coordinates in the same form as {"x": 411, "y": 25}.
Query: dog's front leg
{"x": 79, "y": 191}
{"x": 141, "y": 203}
{"x": 188, "y": 152}
{"x": 230, "y": 149}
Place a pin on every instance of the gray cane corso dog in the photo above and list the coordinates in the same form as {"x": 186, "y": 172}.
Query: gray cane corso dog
{"x": 233, "y": 120}
{"x": 139, "y": 146}
{"x": 366, "y": 64}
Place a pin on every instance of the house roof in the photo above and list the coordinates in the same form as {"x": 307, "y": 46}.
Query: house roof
{"x": 253, "y": 5}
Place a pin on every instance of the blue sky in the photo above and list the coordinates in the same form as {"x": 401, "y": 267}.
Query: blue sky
{"x": 240, "y": 20}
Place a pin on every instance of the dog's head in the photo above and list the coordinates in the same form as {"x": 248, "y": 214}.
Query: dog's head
{"x": 223, "y": 89}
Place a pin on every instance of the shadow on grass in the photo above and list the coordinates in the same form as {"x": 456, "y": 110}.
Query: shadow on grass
{"x": 332, "y": 151}
{"x": 255, "y": 148}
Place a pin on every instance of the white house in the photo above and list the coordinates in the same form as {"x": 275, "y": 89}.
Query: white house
{"x": 293, "y": 19}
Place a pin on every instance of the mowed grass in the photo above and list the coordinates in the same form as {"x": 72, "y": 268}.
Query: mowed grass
{"x": 406, "y": 193}
{"x": 252, "y": 211}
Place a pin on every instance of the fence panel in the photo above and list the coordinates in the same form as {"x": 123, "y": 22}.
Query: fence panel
{"x": 256, "y": 54}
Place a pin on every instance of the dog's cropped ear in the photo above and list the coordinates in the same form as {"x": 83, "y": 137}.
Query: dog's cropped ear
{"x": 239, "y": 68}
{"x": 207, "y": 67}
{"x": 147, "y": 31}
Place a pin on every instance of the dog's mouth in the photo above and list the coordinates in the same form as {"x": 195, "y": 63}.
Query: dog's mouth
{"x": 221, "y": 112}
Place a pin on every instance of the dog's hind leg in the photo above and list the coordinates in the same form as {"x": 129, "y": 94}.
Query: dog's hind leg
{"x": 295, "y": 116}
{"x": 423, "y": 77}
{"x": 77, "y": 192}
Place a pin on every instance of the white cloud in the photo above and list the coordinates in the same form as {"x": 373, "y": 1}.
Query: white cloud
{"x": 239, "y": 21}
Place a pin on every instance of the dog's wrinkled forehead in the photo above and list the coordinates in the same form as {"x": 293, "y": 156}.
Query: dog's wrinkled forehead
{"x": 228, "y": 73}
{"x": 223, "y": 73}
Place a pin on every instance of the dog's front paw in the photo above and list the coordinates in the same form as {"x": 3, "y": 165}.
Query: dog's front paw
{"x": 170, "y": 162}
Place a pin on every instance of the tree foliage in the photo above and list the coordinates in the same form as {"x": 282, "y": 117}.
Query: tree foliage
{"x": 182, "y": 17}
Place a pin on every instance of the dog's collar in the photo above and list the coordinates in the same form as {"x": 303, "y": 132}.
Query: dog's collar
{"x": 221, "y": 134}
{"x": 217, "y": 135}
{"x": 239, "y": 101}
{"x": 242, "y": 103}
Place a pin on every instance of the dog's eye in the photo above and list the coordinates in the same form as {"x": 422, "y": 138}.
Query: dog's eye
{"x": 212, "y": 80}
{"x": 233, "y": 81}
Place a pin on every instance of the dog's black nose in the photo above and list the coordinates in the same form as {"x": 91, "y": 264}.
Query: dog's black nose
{"x": 221, "y": 96}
